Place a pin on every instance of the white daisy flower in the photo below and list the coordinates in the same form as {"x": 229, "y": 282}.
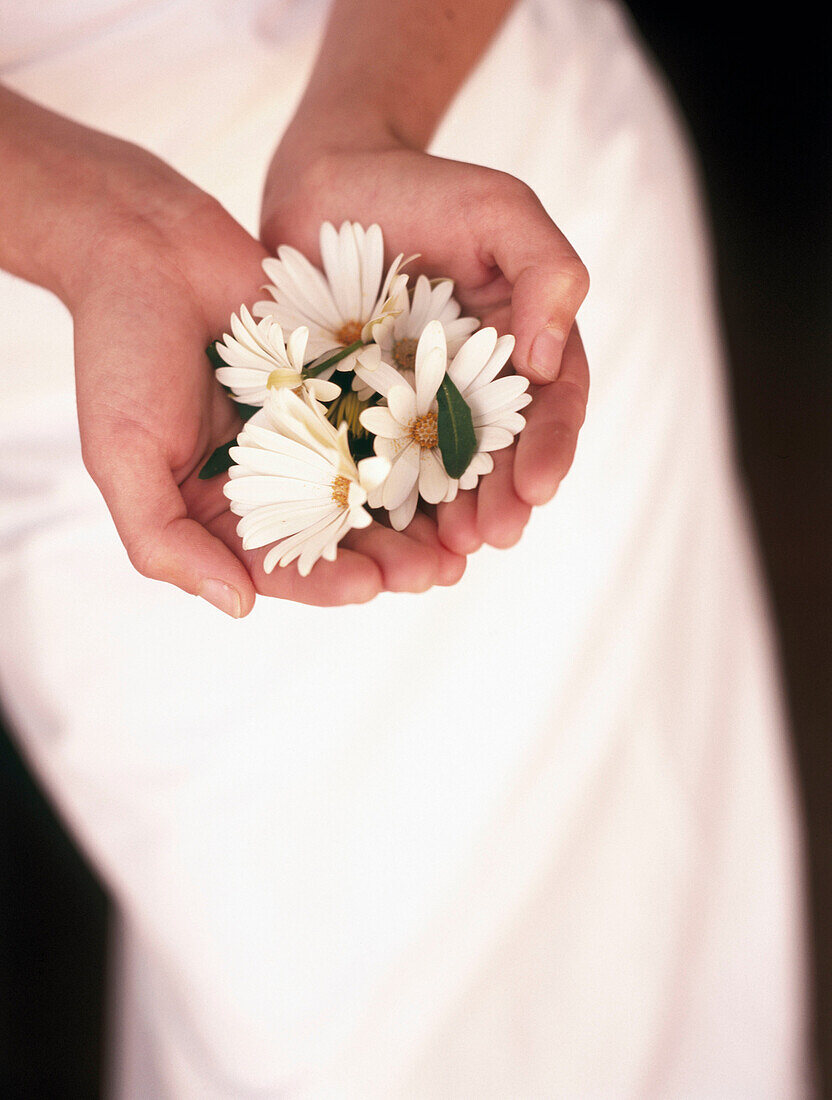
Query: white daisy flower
{"x": 259, "y": 361}
{"x": 295, "y": 483}
{"x": 398, "y": 335}
{"x": 406, "y": 428}
{"x": 495, "y": 403}
{"x": 346, "y": 301}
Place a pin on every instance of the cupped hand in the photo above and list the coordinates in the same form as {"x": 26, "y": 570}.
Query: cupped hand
{"x": 512, "y": 267}
{"x": 160, "y": 281}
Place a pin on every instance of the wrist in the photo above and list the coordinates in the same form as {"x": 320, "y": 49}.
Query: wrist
{"x": 75, "y": 196}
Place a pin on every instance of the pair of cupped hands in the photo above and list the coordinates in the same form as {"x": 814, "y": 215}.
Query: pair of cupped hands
{"x": 169, "y": 266}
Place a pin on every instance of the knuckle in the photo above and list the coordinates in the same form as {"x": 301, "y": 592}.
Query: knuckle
{"x": 512, "y": 192}
{"x": 572, "y": 278}
{"x": 576, "y": 274}
{"x": 145, "y": 559}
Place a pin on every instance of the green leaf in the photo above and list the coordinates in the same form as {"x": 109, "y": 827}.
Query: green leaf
{"x": 213, "y": 356}
{"x": 219, "y": 462}
{"x": 455, "y": 429}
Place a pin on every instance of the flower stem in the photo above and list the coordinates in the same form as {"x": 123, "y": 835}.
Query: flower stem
{"x": 314, "y": 369}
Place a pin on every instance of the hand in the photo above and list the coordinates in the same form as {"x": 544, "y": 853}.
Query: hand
{"x": 512, "y": 268}
{"x": 161, "y": 280}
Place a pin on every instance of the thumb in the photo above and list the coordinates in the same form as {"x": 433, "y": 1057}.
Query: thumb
{"x": 162, "y": 542}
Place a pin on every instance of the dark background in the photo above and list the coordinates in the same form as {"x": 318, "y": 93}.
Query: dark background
{"x": 756, "y": 97}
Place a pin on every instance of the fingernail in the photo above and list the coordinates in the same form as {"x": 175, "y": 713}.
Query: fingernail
{"x": 222, "y": 596}
{"x": 546, "y": 352}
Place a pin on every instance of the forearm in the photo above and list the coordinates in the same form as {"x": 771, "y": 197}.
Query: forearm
{"x": 386, "y": 71}
{"x": 67, "y": 194}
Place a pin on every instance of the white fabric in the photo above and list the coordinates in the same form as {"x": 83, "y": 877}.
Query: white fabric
{"x": 531, "y": 836}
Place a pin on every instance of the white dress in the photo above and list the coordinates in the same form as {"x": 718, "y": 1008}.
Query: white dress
{"x": 532, "y": 836}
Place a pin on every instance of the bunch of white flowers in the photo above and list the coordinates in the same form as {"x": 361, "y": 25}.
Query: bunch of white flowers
{"x": 359, "y": 392}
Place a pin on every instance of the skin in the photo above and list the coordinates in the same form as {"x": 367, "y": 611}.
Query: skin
{"x": 120, "y": 238}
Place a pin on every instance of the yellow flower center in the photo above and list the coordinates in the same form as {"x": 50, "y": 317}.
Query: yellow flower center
{"x": 404, "y": 352}
{"x": 341, "y": 491}
{"x": 423, "y": 429}
{"x": 349, "y": 332}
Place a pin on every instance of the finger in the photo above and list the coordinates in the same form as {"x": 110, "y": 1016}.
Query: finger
{"x": 456, "y": 523}
{"x": 548, "y": 280}
{"x": 352, "y": 578}
{"x": 406, "y": 565}
{"x": 501, "y": 514}
{"x": 450, "y": 565}
{"x": 546, "y": 446}
{"x": 163, "y": 543}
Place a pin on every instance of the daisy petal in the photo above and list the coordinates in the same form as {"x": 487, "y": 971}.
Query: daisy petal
{"x": 431, "y": 359}
{"x": 472, "y": 357}
{"x": 402, "y": 477}
{"x": 372, "y": 472}
{"x": 322, "y": 390}
{"x": 401, "y": 401}
{"x": 497, "y": 360}
{"x": 433, "y": 478}
{"x": 379, "y": 421}
{"x": 401, "y": 516}
{"x": 372, "y": 266}
{"x": 491, "y": 438}
{"x": 496, "y": 395}
{"x": 374, "y": 372}
{"x": 421, "y": 306}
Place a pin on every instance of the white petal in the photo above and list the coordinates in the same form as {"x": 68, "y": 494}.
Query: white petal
{"x": 263, "y": 489}
{"x": 379, "y": 422}
{"x": 433, "y": 478}
{"x": 374, "y": 372}
{"x": 389, "y": 448}
{"x": 372, "y": 266}
{"x": 359, "y": 518}
{"x": 296, "y": 347}
{"x": 299, "y": 288}
{"x": 270, "y": 440}
{"x": 442, "y": 305}
{"x": 290, "y": 548}
{"x": 256, "y": 460}
{"x": 401, "y": 401}
{"x": 512, "y": 422}
{"x": 498, "y": 359}
{"x": 472, "y": 357}
{"x": 431, "y": 360}
{"x": 392, "y": 281}
{"x": 349, "y": 252}
{"x": 372, "y": 472}
{"x": 322, "y": 390}
{"x": 331, "y": 257}
{"x": 318, "y": 544}
{"x": 402, "y": 477}
{"x": 457, "y": 332}
{"x": 275, "y": 529}
{"x": 305, "y": 283}
{"x": 401, "y": 516}
{"x": 499, "y": 394}
{"x": 237, "y": 378}
{"x": 420, "y": 307}
{"x": 491, "y": 438}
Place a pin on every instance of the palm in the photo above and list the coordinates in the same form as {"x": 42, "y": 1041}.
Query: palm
{"x": 151, "y": 413}
{"x": 445, "y": 212}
